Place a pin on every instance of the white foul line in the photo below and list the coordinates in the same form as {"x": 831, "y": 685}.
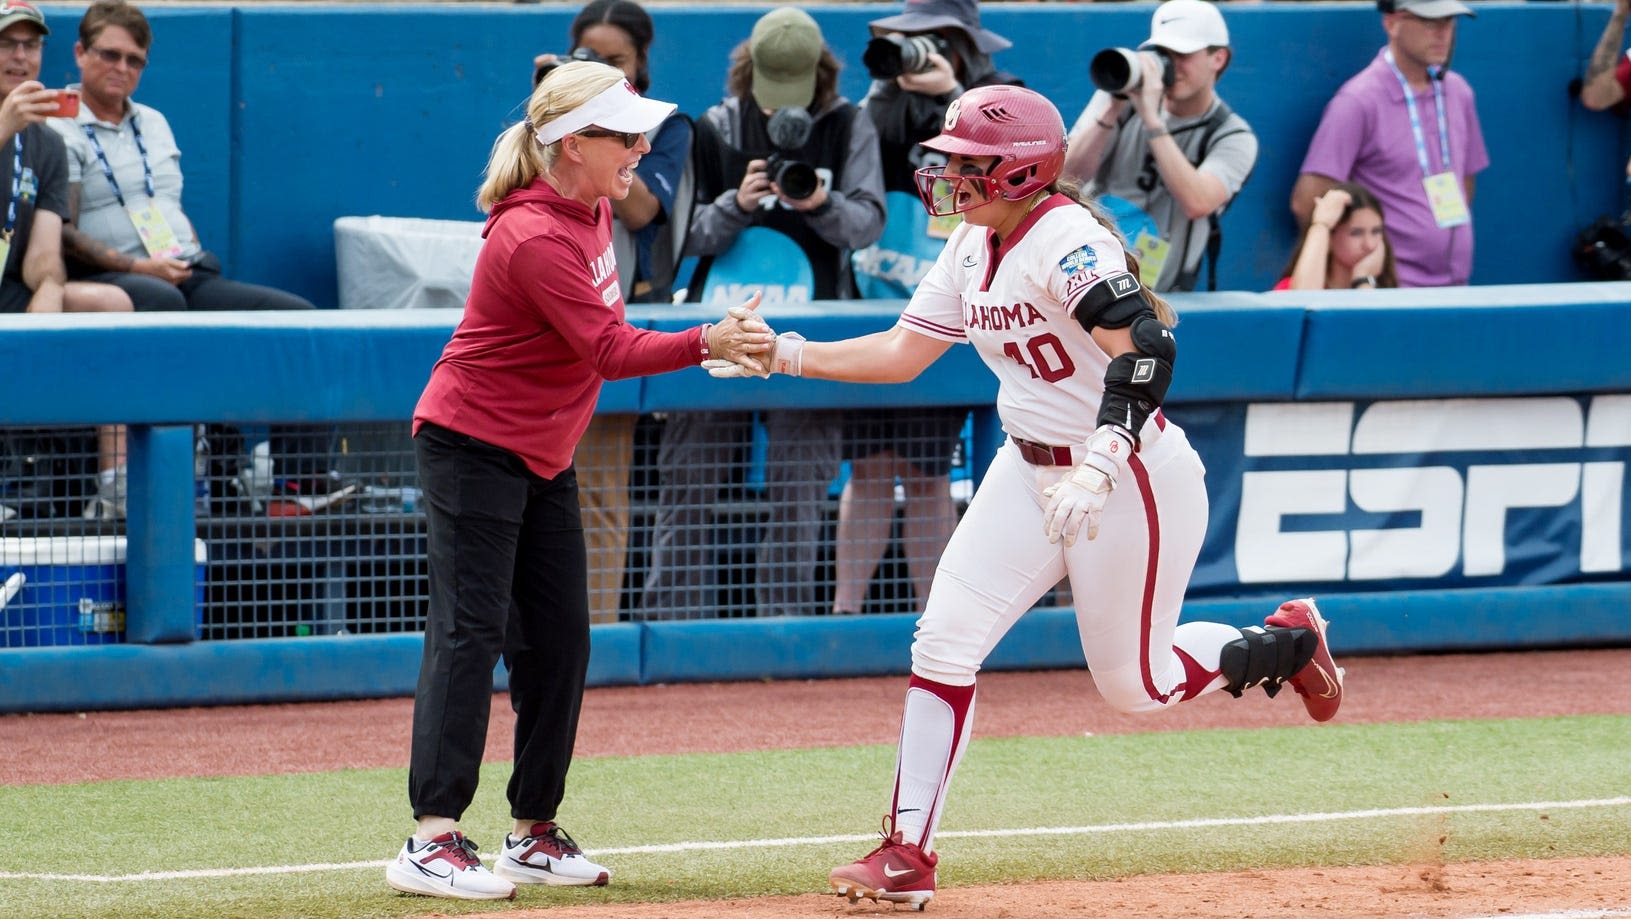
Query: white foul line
{"x": 663, "y": 848}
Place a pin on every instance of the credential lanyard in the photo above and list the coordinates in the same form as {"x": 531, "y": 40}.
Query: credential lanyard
{"x": 16, "y": 186}
{"x": 147, "y": 171}
{"x": 1415, "y": 117}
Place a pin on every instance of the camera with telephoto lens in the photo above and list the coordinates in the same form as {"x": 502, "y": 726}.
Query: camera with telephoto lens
{"x": 576, "y": 54}
{"x": 1118, "y": 71}
{"x": 887, "y": 57}
{"x": 789, "y": 130}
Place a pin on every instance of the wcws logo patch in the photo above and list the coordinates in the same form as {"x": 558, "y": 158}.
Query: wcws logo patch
{"x": 1528, "y": 490}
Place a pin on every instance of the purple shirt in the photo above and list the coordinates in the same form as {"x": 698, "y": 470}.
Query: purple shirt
{"x": 1365, "y": 137}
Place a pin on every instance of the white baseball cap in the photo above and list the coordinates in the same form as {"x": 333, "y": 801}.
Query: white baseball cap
{"x": 618, "y": 107}
{"x": 1428, "y": 9}
{"x": 1186, "y": 26}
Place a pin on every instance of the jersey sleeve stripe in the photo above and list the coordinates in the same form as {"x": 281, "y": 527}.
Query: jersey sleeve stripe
{"x": 918, "y": 323}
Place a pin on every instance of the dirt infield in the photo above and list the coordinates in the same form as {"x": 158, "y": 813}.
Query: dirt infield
{"x": 714, "y": 717}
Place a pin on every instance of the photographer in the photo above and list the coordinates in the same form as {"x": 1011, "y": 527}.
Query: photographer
{"x": 908, "y": 104}
{"x": 1166, "y": 144}
{"x": 920, "y": 60}
{"x": 783, "y": 151}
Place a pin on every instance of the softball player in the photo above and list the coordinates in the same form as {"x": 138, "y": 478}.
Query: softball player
{"x": 1044, "y": 291}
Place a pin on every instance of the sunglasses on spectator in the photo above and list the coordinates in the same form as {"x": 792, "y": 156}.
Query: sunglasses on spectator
{"x": 112, "y": 58}
{"x": 629, "y": 139}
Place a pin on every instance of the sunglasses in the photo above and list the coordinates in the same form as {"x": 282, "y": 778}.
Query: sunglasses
{"x": 112, "y": 58}
{"x": 629, "y": 139}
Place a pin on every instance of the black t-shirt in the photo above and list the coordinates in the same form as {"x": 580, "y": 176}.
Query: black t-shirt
{"x": 44, "y": 185}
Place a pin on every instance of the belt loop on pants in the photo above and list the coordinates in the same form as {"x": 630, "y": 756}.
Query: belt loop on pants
{"x": 1041, "y": 454}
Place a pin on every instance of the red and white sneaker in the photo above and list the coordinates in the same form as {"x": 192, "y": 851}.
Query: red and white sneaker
{"x": 1320, "y": 681}
{"x": 446, "y": 866}
{"x": 546, "y": 855}
{"x": 896, "y": 872}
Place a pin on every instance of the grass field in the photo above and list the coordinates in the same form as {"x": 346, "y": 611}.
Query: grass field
{"x": 314, "y": 845}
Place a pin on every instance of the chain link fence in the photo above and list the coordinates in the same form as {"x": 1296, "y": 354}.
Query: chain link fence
{"x": 320, "y": 530}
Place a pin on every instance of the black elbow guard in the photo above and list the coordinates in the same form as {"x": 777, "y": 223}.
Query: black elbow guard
{"x": 1113, "y": 303}
{"x": 1135, "y": 384}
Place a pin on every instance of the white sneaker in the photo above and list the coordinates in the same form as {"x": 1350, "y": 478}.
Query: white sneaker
{"x": 446, "y": 866}
{"x": 548, "y": 856}
{"x": 109, "y": 503}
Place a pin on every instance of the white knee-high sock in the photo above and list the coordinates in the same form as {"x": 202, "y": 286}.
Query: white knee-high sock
{"x": 934, "y": 732}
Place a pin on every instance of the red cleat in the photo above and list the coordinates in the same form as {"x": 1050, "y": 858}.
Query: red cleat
{"x": 895, "y": 872}
{"x": 1320, "y": 681}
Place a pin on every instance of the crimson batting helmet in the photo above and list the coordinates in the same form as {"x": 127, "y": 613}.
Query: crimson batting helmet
{"x": 1018, "y": 126}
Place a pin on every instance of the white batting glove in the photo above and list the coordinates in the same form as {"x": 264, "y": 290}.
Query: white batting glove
{"x": 1079, "y": 497}
{"x": 787, "y": 357}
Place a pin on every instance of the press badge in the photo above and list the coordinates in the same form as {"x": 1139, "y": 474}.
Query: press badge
{"x": 1152, "y": 253}
{"x": 157, "y": 237}
{"x": 1444, "y": 196}
{"x": 5, "y": 248}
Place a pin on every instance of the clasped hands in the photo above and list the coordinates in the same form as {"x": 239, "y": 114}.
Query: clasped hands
{"x": 742, "y": 338}
{"x": 1079, "y": 497}
{"x": 763, "y": 353}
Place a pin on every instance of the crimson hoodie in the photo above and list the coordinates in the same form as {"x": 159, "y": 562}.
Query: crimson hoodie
{"x": 543, "y": 327}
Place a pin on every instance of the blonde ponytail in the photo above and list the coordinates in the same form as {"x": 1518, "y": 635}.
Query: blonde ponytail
{"x": 518, "y": 158}
{"x": 1072, "y": 189}
{"x": 515, "y": 161}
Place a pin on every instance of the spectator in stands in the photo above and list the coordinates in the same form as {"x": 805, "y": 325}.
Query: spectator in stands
{"x": 1344, "y": 246}
{"x": 35, "y": 279}
{"x": 127, "y": 227}
{"x": 1407, "y": 128}
{"x": 647, "y": 236}
{"x": 913, "y": 445}
{"x": 783, "y": 82}
{"x": 1169, "y": 153}
{"x": 495, "y": 432}
{"x": 1608, "y": 76}
{"x": 124, "y": 172}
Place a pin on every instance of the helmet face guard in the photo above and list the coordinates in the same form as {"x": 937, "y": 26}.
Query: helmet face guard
{"x": 1018, "y": 126}
{"x": 944, "y": 195}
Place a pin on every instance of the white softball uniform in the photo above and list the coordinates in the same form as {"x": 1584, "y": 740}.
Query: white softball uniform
{"x": 1012, "y": 303}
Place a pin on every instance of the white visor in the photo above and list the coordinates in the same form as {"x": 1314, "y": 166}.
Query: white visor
{"x": 618, "y": 107}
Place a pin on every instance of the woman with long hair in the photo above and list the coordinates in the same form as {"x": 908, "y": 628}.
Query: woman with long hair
{"x": 1047, "y": 294}
{"x": 494, "y": 433}
{"x": 1345, "y": 245}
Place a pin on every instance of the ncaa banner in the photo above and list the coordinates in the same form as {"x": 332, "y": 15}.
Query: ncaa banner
{"x": 1406, "y": 495}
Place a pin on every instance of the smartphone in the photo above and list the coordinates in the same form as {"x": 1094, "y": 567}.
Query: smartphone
{"x": 67, "y": 104}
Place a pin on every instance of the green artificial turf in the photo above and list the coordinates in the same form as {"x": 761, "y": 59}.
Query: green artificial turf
{"x": 1132, "y": 783}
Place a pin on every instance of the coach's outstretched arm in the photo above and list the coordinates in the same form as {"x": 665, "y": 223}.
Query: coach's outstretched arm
{"x": 896, "y": 355}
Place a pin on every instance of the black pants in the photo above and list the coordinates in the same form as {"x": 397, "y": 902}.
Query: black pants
{"x": 508, "y": 575}
{"x": 205, "y": 291}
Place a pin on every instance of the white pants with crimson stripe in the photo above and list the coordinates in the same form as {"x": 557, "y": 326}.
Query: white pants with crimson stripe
{"x": 1128, "y": 586}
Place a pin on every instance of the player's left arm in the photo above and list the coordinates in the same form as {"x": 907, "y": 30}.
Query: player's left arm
{"x": 1123, "y": 322}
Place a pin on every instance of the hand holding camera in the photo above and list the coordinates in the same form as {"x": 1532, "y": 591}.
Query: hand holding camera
{"x": 544, "y": 63}
{"x": 1121, "y": 71}
{"x": 31, "y": 103}
{"x": 755, "y": 187}
{"x": 889, "y": 56}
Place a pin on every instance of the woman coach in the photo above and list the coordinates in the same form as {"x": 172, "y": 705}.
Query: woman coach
{"x": 495, "y": 431}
